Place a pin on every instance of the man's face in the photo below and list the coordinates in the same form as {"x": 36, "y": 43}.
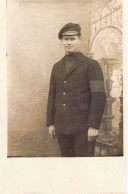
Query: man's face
{"x": 71, "y": 43}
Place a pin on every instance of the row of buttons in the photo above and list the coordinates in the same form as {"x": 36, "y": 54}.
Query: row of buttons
{"x": 64, "y": 92}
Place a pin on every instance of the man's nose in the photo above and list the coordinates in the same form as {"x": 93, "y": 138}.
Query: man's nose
{"x": 69, "y": 41}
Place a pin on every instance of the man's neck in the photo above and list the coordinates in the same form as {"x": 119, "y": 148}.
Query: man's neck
{"x": 71, "y": 53}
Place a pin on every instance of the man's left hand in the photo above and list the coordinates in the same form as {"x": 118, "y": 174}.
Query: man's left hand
{"x": 92, "y": 134}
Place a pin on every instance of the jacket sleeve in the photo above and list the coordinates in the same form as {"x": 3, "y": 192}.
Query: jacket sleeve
{"x": 98, "y": 96}
{"x": 51, "y": 100}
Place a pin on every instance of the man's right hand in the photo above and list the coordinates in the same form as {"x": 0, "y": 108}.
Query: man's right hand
{"x": 52, "y": 131}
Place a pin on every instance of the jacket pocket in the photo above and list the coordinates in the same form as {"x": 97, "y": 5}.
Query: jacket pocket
{"x": 84, "y": 107}
{"x": 84, "y": 102}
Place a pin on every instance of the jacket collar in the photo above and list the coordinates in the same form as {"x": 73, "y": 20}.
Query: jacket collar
{"x": 80, "y": 59}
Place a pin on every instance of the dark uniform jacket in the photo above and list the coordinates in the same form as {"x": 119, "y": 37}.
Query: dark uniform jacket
{"x": 76, "y": 99}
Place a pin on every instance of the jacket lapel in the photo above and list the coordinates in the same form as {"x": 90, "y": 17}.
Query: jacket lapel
{"x": 76, "y": 64}
{"x": 62, "y": 70}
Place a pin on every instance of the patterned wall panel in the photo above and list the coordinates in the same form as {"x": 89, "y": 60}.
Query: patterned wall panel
{"x": 105, "y": 45}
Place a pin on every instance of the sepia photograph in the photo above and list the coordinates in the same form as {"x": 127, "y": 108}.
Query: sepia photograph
{"x": 65, "y": 78}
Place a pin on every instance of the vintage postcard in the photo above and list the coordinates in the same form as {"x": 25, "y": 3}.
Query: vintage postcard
{"x": 65, "y": 96}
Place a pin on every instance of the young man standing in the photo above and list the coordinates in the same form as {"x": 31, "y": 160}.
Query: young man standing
{"x": 76, "y": 98}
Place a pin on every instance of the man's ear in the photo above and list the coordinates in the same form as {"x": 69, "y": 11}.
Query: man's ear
{"x": 80, "y": 39}
{"x": 61, "y": 41}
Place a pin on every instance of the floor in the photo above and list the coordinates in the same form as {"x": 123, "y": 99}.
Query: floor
{"x": 38, "y": 143}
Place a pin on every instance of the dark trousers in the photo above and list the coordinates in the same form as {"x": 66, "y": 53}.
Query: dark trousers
{"x": 76, "y": 145}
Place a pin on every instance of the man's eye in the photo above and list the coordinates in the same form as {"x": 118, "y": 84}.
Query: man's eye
{"x": 72, "y": 39}
{"x": 66, "y": 39}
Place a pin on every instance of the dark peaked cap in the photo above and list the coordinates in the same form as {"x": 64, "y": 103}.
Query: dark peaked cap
{"x": 70, "y": 27}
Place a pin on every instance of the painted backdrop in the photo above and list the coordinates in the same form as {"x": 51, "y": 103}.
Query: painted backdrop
{"x": 32, "y": 49}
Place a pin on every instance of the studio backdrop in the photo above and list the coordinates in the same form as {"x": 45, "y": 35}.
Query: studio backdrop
{"x": 32, "y": 49}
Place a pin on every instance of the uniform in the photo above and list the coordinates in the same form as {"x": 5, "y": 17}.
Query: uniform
{"x": 76, "y": 101}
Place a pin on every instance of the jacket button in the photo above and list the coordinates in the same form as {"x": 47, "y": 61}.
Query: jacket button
{"x": 65, "y": 82}
{"x": 64, "y": 104}
{"x": 64, "y": 93}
